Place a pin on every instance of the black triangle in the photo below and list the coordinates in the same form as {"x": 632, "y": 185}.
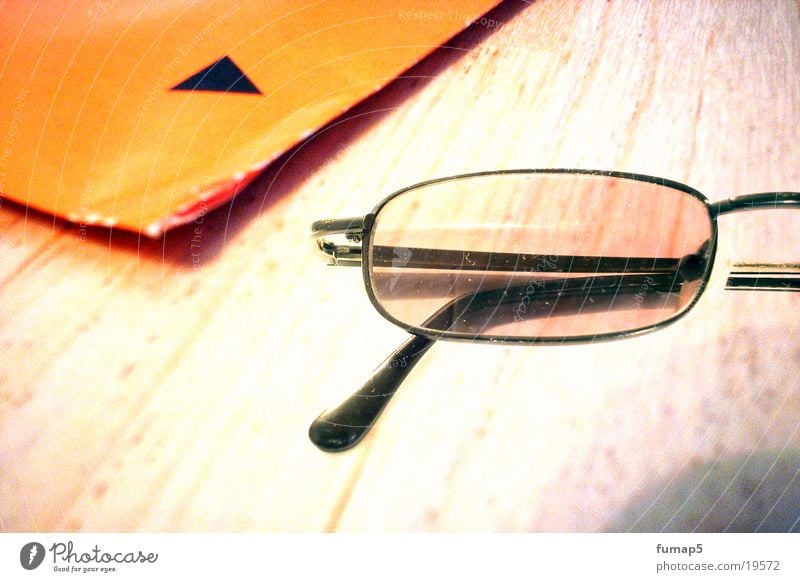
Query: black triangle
{"x": 222, "y": 75}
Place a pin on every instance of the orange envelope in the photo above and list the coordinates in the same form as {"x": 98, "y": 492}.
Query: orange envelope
{"x": 142, "y": 115}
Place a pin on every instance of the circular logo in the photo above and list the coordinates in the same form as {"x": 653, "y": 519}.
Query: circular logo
{"x": 31, "y": 555}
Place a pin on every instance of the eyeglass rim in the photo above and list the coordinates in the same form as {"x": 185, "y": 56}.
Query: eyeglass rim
{"x": 370, "y": 221}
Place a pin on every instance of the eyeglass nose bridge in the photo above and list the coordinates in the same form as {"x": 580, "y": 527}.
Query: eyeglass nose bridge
{"x": 749, "y": 276}
{"x": 760, "y": 201}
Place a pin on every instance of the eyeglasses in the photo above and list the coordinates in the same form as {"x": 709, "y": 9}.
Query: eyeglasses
{"x": 530, "y": 256}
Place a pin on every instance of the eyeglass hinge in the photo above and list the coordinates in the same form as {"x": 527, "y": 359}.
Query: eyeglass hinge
{"x": 340, "y": 255}
{"x": 345, "y": 229}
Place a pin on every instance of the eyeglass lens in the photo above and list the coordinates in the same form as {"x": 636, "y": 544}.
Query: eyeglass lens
{"x": 539, "y": 255}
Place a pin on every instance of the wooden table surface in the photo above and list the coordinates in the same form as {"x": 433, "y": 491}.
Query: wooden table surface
{"x": 168, "y": 385}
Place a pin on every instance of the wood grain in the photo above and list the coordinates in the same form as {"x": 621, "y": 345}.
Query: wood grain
{"x": 168, "y": 385}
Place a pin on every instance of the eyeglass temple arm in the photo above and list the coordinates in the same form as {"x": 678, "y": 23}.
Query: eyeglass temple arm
{"x": 343, "y": 427}
{"x": 743, "y": 276}
{"x": 387, "y": 256}
{"x": 456, "y": 260}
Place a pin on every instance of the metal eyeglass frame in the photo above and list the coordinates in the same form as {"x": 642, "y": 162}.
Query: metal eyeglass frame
{"x": 343, "y": 427}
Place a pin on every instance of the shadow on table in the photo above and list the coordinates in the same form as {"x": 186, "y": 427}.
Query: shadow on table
{"x": 746, "y": 493}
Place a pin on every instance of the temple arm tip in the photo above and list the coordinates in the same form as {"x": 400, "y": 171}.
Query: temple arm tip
{"x": 333, "y": 438}
{"x": 343, "y": 427}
